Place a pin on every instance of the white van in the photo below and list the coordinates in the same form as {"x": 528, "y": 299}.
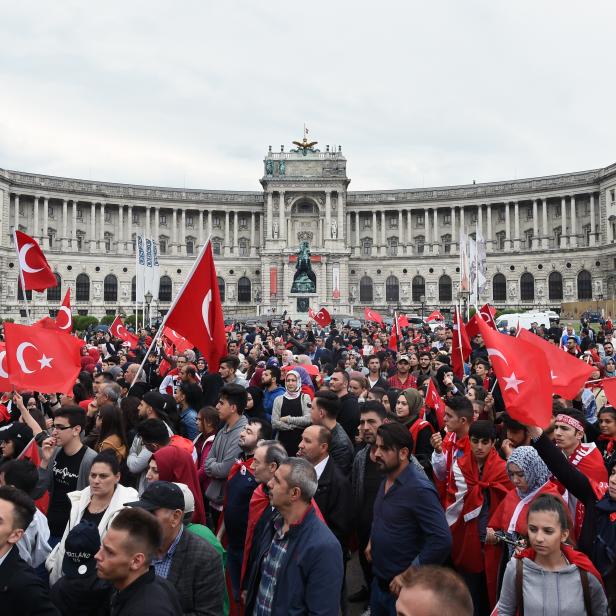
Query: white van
{"x": 526, "y": 319}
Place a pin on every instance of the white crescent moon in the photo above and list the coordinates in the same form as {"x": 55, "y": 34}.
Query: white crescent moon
{"x": 205, "y": 311}
{"x": 20, "y": 356}
{"x": 3, "y": 372}
{"x": 23, "y": 253}
{"x": 498, "y": 354}
{"x": 67, "y": 312}
{"x": 119, "y": 329}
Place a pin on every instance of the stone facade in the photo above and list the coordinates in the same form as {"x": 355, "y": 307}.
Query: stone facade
{"x": 549, "y": 239}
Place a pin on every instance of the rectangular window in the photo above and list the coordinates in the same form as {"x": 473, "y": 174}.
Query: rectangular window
{"x": 244, "y": 249}
{"x": 189, "y": 221}
{"x": 447, "y": 219}
{"x": 162, "y": 246}
{"x": 557, "y": 211}
{"x": 473, "y": 219}
{"x": 216, "y": 248}
{"x": 366, "y": 222}
{"x": 529, "y": 213}
{"x": 79, "y": 213}
{"x": 366, "y": 249}
{"x": 83, "y": 312}
{"x": 613, "y": 195}
{"x": 162, "y": 219}
{"x": 107, "y": 216}
{"x": 216, "y": 222}
{"x": 243, "y": 222}
{"x": 135, "y": 219}
{"x": 50, "y": 212}
{"x": 420, "y": 220}
{"x": 393, "y": 221}
{"x": 501, "y": 216}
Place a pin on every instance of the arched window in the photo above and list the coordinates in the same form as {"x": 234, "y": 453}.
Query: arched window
{"x": 418, "y": 288}
{"x": 244, "y": 290}
{"x": 555, "y": 286}
{"x": 165, "y": 289}
{"x": 584, "y": 285}
{"x": 527, "y": 287}
{"x": 221, "y": 288}
{"x": 499, "y": 288}
{"x": 110, "y": 288}
{"x": 54, "y": 294}
{"x": 82, "y": 288}
{"x": 20, "y": 293}
{"x": 366, "y": 290}
{"x": 133, "y": 290}
{"x": 444, "y": 289}
{"x": 392, "y": 289}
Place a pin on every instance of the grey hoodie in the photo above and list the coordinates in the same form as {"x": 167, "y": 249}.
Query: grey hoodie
{"x": 550, "y": 593}
{"x": 225, "y": 450}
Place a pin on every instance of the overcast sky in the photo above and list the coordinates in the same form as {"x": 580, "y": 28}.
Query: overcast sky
{"x": 417, "y": 93}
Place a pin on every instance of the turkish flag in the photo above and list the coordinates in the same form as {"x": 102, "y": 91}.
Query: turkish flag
{"x": 434, "y": 401}
{"x": 435, "y": 315}
{"x": 472, "y": 329}
{"x": 41, "y": 359}
{"x": 568, "y": 372}
{"x": 487, "y": 313}
{"x": 118, "y": 330}
{"x": 609, "y": 388}
{"x": 523, "y": 374}
{"x": 5, "y": 384}
{"x": 64, "y": 318}
{"x": 179, "y": 342}
{"x": 373, "y": 315}
{"x": 322, "y": 318}
{"x": 460, "y": 345}
{"x": 403, "y": 321}
{"x": 197, "y": 311}
{"x": 37, "y": 275}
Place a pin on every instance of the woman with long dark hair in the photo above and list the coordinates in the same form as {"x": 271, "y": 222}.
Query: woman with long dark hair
{"x": 111, "y": 432}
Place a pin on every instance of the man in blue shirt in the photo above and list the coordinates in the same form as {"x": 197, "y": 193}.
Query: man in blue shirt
{"x": 271, "y": 389}
{"x": 409, "y": 526}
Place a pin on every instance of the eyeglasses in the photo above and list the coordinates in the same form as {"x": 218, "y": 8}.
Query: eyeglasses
{"x": 56, "y": 427}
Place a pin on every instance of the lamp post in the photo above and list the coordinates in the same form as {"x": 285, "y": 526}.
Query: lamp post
{"x": 422, "y": 301}
{"x": 464, "y": 296}
{"x": 148, "y": 302}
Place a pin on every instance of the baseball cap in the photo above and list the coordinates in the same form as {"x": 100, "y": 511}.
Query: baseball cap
{"x": 17, "y": 431}
{"x": 160, "y": 495}
{"x": 189, "y": 499}
{"x": 80, "y": 546}
{"x": 404, "y": 358}
{"x": 156, "y": 400}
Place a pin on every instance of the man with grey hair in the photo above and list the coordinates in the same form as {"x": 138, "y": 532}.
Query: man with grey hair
{"x": 297, "y": 567}
{"x": 137, "y": 386}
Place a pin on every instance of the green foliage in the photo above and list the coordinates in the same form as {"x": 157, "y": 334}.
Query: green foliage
{"x": 81, "y": 323}
{"x": 7, "y": 320}
{"x": 130, "y": 319}
{"x": 107, "y": 319}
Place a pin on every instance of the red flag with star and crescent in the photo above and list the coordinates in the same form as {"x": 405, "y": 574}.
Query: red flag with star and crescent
{"x": 179, "y": 342}
{"x": 567, "y": 371}
{"x": 523, "y": 375}
{"x": 321, "y": 318}
{"x": 487, "y": 313}
{"x": 33, "y": 266}
{"x": 460, "y": 345}
{"x": 5, "y": 384}
{"x": 435, "y": 402}
{"x": 64, "y": 318}
{"x": 118, "y": 330}
{"x": 197, "y": 311}
{"x": 373, "y": 315}
{"x": 41, "y": 359}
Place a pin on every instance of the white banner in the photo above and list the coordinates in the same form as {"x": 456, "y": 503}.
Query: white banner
{"x": 464, "y": 273}
{"x": 149, "y": 267}
{"x": 472, "y": 259}
{"x": 482, "y": 263}
{"x": 140, "y": 268}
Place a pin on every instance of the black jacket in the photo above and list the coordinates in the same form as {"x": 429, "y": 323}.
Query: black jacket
{"x": 333, "y": 496}
{"x": 82, "y": 596}
{"x": 22, "y": 592}
{"x": 148, "y": 595}
{"x": 348, "y": 417}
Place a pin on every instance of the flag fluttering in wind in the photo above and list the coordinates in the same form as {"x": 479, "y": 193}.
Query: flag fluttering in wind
{"x": 118, "y": 330}
{"x": 321, "y": 318}
{"x": 5, "y": 384}
{"x": 435, "y": 315}
{"x": 33, "y": 267}
{"x": 64, "y": 318}
{"x": 373, "y": 315}
{"x": 460, "y": 345}
{"x": 179, "y": 342}
{"x": 434, "y": 401}
{"x": 197, "y": 313}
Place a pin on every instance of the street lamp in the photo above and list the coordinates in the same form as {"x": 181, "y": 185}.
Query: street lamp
{"x": 422, "y": 301}
{"x": 464, "y": 296}
{"x": 148, "y": 302}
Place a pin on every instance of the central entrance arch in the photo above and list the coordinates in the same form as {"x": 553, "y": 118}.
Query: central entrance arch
{"x": 305, "y": 222}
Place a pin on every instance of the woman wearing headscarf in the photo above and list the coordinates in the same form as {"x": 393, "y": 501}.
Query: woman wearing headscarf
{"x": 171, "y": 463}
{"x": 530, "y": 477}
{"x": 254, "y": 404}
{"x": 291, "y": 413}
{"x": 307, "y": 384}
{"x": 408, "y": 410}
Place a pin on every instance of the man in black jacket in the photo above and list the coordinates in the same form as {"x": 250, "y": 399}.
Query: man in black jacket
{"x": 124, "y": 558}
{"x": 348, "y": 416}
{"x": 21, "y": 591}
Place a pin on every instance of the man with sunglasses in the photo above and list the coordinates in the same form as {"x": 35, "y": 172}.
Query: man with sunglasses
{"x": 65, "y": 467}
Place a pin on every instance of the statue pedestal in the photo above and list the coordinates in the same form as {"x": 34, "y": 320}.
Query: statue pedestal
{"x": 299, "y": 304}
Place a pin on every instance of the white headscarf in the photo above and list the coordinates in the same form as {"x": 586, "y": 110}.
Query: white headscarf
{"x": 292, "y": 395}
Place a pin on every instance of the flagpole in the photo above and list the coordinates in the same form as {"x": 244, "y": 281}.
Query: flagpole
{"x": 175, "y": 301}
{"x": 460, "y": 340}
{"x": 23, "y": 282}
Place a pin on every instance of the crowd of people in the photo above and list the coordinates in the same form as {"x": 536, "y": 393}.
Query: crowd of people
{"x": 175, "y": 489}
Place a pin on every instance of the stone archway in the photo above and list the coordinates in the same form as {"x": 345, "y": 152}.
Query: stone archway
{"x": 304, "y": 222}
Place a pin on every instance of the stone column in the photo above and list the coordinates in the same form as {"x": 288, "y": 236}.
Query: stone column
{"x": 101, "y": 234}
{"x": 454, "y": 237}
{"x": 409, "y": 233}
{"x": 37, "y": 230}
{"x": 174, "y": 230}
{"x": 516, "y": 215}
{"x": 261, "y": 233}
{"x": 401, "y": 238}
{"x": 328, "y": 216}
{"x": 148, "y": 226}
{"x": 182, "y": 238}
{"x": 489, "y": 227}
{"x": 508, "y": 243}
{"x": 270, "y": 215}
{"x": 156, "y": 237}
{"x": 357, "y": 221}
{"x": 535, "y": 242}
{"x": 563, "y": 216}
{"x": 341, "y": 233}
{"x": 200, "y": 229}
{"x": 347, "y": 227}
{"x": 480, "y": 219}
{"x": 74, "y": 228}
{"x": 544, "y": 235}
{"x": 16, "y": 213}
{"x": 281, "y": 214}
{"x": 427, "y": 246}
{"x": 235, "y": 233}
{"x": 210, "y": 213}
{"x": 226, "y": 247}
{"x": 93, "y": 227}
{"x": 436, "y": 244}
{"x": 44, "y": 238}
{"x": 462, "y": 222}
{"x": 383, "y": 232}
{"x": 64, "y": 224}
{"x": 592, "y": 219}
{"x": 121, "y": 245}
{"x": 252, "y": 248}
{"x": 573, "y": 239}
{"x": 321, "y": 237}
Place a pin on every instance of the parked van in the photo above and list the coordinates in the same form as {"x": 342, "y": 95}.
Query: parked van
{"x": 526, "y": 319}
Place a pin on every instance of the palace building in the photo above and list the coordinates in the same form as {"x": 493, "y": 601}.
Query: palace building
{"x": 549, "y": 239}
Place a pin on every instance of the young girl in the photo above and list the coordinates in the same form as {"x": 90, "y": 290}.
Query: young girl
{"x": 550, "y": 577}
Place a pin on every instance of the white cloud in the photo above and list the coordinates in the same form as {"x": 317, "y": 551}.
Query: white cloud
{"x": 417, "y": 93}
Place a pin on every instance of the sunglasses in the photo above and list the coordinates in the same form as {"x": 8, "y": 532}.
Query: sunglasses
{"x": 56, "y": 427}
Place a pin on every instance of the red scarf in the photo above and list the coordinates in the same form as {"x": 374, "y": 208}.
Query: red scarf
{"x": 609, "y": 448}
{"x": 573, "y": 556}
{"x": 453, "y": 449}
{"x": 418, "y": 425}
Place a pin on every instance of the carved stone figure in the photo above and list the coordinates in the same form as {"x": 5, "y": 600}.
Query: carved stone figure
{"x": 275, "y": 229}
{"x": 269, "y": 167}
{"x": 334, "y": 230}
{"x": 282, "y": 167}
{"x": 10, "y": 288}
{"x": 97, "y": 289}
{"x": 513, "y": 291}
{"x": 124, "y": 291}
{"x": 304, "y": 280}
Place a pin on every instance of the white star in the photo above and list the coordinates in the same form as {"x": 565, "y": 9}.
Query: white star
{"x": 45, "y": 361}
{"x": 512, "y": 382}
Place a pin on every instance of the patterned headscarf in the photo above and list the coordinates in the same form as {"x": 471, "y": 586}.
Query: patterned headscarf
{"x": 415, "y": 401}
{"x": 535, "y": 471}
